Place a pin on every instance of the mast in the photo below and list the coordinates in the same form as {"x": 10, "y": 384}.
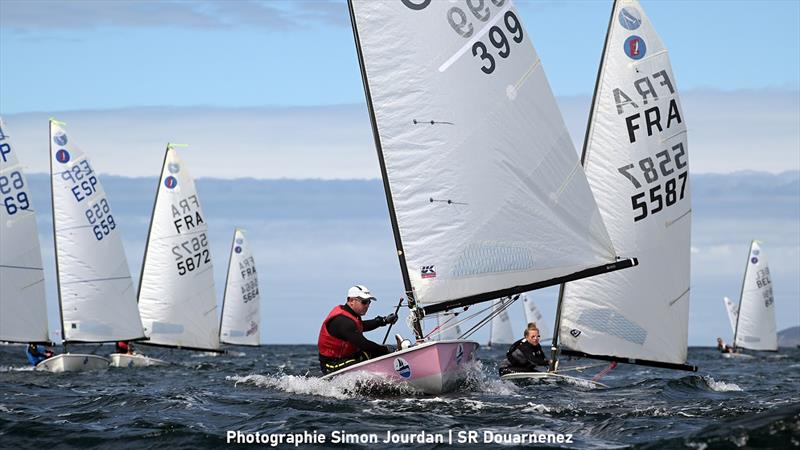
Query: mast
{"x": 150, "y": 227}
{"x": 741, "y": 294}
{"x": 387, "y": 189}
{"x": 225, "y": 289}
{"x": 55, "y": 237}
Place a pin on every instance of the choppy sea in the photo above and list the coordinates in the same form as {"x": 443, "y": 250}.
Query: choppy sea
{"x": 276, "y": 390}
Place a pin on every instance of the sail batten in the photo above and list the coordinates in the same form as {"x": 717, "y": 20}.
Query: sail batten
{"x": 485, "y": 191}
{"x": 176, "y": 290}
{"x": 96, "y": 299}
{"x": 23, "y": 306}
{"x": 635, "y": 158}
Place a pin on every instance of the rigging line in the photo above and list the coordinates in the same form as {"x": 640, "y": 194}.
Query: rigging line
{"x": 680, "y": 296}
{"x": 96, "y": 279}
{"x": 432, "y": 122}
{"x": 20, "y": 267}
{"x": 671, "y": 222}
{"x": 502, "y": 307}
{"x": 449, "y": 202}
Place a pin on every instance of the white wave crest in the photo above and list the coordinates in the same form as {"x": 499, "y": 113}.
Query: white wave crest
{"x": 16, "y": 368}
{"x": 341, "y": 387}
{"x": 720, "y": 386}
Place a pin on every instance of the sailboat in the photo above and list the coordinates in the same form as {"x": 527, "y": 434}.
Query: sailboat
{"x": 95, "y": 289}
{"x": 447, "y": 326}
{"x": 533, "y": 315}
{"x": 176, "y": 287}
{"x": 753, "y": 322}
{"x": 23, "y": 306}
{"x": 500, "y": 330}
{"x": 635, "y": 158}
{"x": 486, "y": 196}
{"x": 241, "y": 301}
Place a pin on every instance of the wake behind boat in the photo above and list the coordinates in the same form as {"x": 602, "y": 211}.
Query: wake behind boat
{"x": 134, "y": 360}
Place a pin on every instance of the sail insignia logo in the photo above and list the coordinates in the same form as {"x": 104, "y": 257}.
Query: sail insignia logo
{"x": 630, "y": 18}
{"x": 237, "y": 249}
{"x": 756, "y": 252}
{"x": 635, "y": 47}
{"x": 173, "y": 167}
{"x": 402, "y": 367}
{"x": 427, "y": 272}
{"x": 62, "y": 156}
{"x": 252, "y": 330}
{"x": 239, "y": 241}
{"x": 459, "y": 353}
{"x": 754, "y": 260}
{"x": 170, "y": 182}
{"x": 60, "y": 138}
{"x": 575, "y": 333}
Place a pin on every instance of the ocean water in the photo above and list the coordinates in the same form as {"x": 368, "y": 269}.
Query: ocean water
{"x": 273, "y": 390}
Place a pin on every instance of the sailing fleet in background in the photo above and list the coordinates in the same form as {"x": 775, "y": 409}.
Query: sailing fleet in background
{"x": 176, "y": 304}
{"x": 487, "y": 200}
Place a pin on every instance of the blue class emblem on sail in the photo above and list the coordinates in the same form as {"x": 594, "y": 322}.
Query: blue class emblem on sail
{"x": 239, "y": 241}
{"x": 60, "y": 138}
{"x": 635, "y": 47}
{"x": 630, "y": 18}
{"x": 237, "y": 249}
{"x": 62, "y": 156}
{"x": 170, "y": 182}
{"x": 754, "y": 260}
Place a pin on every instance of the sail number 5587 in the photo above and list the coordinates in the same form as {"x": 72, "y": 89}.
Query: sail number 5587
{"x": 663, "y": 186}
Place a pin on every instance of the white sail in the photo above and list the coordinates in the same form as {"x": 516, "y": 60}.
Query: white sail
{"x": 240, "y": 305}
{"x": 501, "y": 331}
{"x": 449, "y": 330}
{"x": 637, "y": 164}
{"x": 733, "y": 312}
{"x": 533, "y": 315}
{"x": 23, "y": 307}
{"x": 756, "y": 324}
{"x": 483, "y": 181}
{"x": 96, "y": 292}
{"x": 176, "y": 290}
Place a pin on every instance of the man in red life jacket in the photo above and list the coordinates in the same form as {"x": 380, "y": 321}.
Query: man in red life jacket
{"x": 341, "y": 340}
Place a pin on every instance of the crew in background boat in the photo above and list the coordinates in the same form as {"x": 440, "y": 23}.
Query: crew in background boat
{"x": 525, "y": 354}
{"x": 123, "y": 347}
{"x": 341, "y": 340}
{"x": 723, "y": 347}
{"x": 38, "y": 353}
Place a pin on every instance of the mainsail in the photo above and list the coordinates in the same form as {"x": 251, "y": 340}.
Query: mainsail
{"x": 176, "y": 289}
{"x": 500, "y": 330}
{"x": 485, "y": 192}
{"x": 241, "y": 301}
{"x": 23, "y": 306}
{"x": 95, "y": 289}
{"x": 733, "y": 311}
{"x": 755, "y": 327}
{"x": 635, "y": 157}
{"x": 533, "y": 315}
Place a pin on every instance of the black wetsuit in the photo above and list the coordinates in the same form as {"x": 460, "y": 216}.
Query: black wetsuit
{"x": 522, "y": 356}
{"x": 344, "y": 328}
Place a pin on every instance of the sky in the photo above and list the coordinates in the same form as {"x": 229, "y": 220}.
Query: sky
{"x": 272, "y": 90}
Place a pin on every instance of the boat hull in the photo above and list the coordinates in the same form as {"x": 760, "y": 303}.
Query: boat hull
{"x": 73, "y": 362}
{"x": 529, "y": 377}
{"x": 125, "y": 360}
{"x": 432, "y": 367}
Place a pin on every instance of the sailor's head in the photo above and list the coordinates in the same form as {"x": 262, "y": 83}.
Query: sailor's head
{"x": 359, "y": 298}
{"x": 532, "y": 333}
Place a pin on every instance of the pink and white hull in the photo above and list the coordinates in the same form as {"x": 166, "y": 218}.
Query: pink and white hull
{"x": 432, "y": 367}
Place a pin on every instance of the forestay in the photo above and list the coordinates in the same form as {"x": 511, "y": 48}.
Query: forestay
{"x": 732, "y": 310}
{"x": 241, "y": 301}
{"x": 176, "y": 290}
{"x": 96, "y": 292}
{"x": 636, "y": 160}
{"x": 485, "y": 191}
{"x": 23, "y": 307}
{"x": 533, "y": 315}
{"x": 500, "y": 330}
{"x": 756, "y": 329}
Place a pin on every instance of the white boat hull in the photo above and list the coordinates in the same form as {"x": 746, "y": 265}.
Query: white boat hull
{"x": 73, "y": 362}
{"x": 737, "y": 355}
{"x": 547, "y": 376}
{"x": 432, "y": 367}
{"x": 125, "y": 360}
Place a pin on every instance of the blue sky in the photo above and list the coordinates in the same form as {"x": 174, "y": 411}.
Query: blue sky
{"x": 61, "y": 56}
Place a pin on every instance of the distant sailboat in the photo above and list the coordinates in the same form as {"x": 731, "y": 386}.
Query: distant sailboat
{"x": 23, "y": 306}
{"x": 485, "y": 194}
{"x": 448, "y": 328}
{"x": 533, "y": 315}
{"x": 240, "y": 305}
{"x": 755, "y": 328}
{"x": 176, "y": 288}
{"x": 635, "y": 157}
{"x": 95, "y": 289}
{"x": 500, "y": 331}
{"x": 733, "y": 312}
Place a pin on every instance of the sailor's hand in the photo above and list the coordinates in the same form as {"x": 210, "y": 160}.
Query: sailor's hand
{"x": 391, "y": 318}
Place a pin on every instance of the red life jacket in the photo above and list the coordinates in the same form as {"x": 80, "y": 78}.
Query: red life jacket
{"x": 331, "y": 346}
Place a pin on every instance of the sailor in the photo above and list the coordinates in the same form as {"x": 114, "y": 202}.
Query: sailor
{"x": 525, "y": 354}
{"x": 723, "y": 347}
{"x": 341, "y": 340}
{"x": 123, "y": 347}
{"x": 37, "y": 354}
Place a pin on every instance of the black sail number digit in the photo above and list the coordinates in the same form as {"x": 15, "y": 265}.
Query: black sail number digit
{"x": 515, "y": 29}
{"x": 498, "y": 39}
{"x": 485, "y": 56}
{"x": 462, "y": 25}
